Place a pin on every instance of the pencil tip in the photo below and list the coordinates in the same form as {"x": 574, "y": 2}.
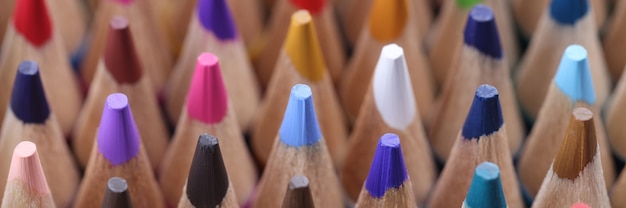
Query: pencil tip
{"x": 486, "y": 188}
{"x": 116, "y": 195}
{"x": 485, "y": 115}
{"x": 31, "y": 19}
{"x": 392, "y": 89}
{"x": 303, "y": 47}
{"x": 26, "y": 167}
{"x": 313, "y": 6}
{"x": 120, "y": 57}
{"x": 568, "y": 11}
{"x": 207, "y": 99}
{"x": 573, "y": 76}
{"x": 215, "y": 16}
{"x": 28, "y": 99}
{"x": 118, "y": 137}
{"x": 481, "y": 32}
{"x": 298, "y": 193}
{"x": 388, "y": 170}
{"x": 466, "y": 4}
{"x": 387, "y": 19}
{"x": 299, "y": 126}
{"x": 207, "y": 182}
{"x": 580, "y": 205}
{"x": 578, "y": 147}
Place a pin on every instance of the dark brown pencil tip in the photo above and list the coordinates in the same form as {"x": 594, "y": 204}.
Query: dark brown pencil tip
{"x": 298, "y": 193}
{"x": 208, "y": 181}
{"x": 578, "y": 147}
{"x": 120, "y": 57}
{"x": 116, "y": 195}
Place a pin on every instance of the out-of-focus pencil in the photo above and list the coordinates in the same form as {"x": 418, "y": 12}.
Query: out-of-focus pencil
{"x": 31, "y": 35}
{"x": 389, "y": 107}
{"x": 120, "y": 70}
{"x": 299, "y": 148}
{"x": 26, "y": 185}
{"x": 486, "y": 188}
{"x": 576, "y": 173}
{"x": 565, "y": 22}
{"x": 298, "y": 193}
{"x": 482, "y": 138}
{"x": 528, "y": 13}
{"x": 580, "y": 205}
{"x": 208, "y": 109}
{"x": 29, "y": 118}
{"x": 212, "y": 30}
{"x": 116, "y": 194}
{"x": 614, "y": 42}
{"x": 118, "y": 151}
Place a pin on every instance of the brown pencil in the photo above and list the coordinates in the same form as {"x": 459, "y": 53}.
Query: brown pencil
{"x": 31, "y": 35}
{"x": 576, "y": 173}
{"x": 212, "y": 30}
{"x": 389, "y": 107}
{"x": 298, "y": 193}
{"x": 381, "y": 29}
{"x": 300, "y": 62}
{"x": 29, "y": 118}
{"x": 26, "y": 183}
{"x": 120, "y": 70}
{"x": 614, "y": 41}
{"x": 116, "y": 195}
{"x": 118, "y": 151}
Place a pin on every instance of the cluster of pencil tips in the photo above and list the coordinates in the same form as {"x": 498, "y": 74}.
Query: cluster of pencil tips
{"x": 312, "y": 103}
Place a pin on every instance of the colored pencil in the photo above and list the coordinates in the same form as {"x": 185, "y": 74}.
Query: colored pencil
{"x": 212, "y": 30}
{"x": 383, "y": 28}
{"x": 120, "y": 70}
{"x": 249, "y": 19}
{"x": 615, "y": 121}
{"x": 299, "y": 148}
{"x": 387, "y": 184}
{"x": 482, "y": 138}
{"x": 614, "y": 41}
{"x": 119, "y": 152}
{"x": 116, "y": 194}
{"x": 322, "y": 13}
{"x": 31, "y": 36}
{"x": 389, "y": 107}
{"x": 208, "y": 109}
{"x": 480, "y": 61}
{"x": 150, "y": 43}
{"x": 26, "y": 183}
{"x": 298, "y": 193}
{"x": 565, "y": 22}
{"x": 580, "y": 205}
{"x": 576, "y": 173}
{"x": 300, "y": 62}
{"x": 445, "y": 40}
{"x": 172, "y": 19}
{"x": 618, "y": 190}
{"x": 486, "y": 188}
{"x": 528, "y": 13}
{"x": 208, "y": 184}
{"x": 30, "y": 118}
{"x": 572, "y": 87}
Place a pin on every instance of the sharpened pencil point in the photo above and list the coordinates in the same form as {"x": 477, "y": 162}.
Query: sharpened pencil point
{"x": 120, "y": 57}
{"x": 580, "y": 205}
{"x": 303, "y": 47}
{"x": 579, "y": 145}
{"x": 568, "y": 11}
{"x": 26, "y": 167}
{"x": 28, "y": 99}
{"x": 387, "y": 19}
{"x": 208, "y": 181}
{"x": 486, "y": 188}
{"x": 118, "y": 137}
{"x": 215, "y": 16}
{"x": 573, "y": 76}
{"x": 31, "y": 19}
{"x": 299, "y": 126}
{"x": 481, "y": 32}
{"x": 298, "y": 193}
{"x": 116, "y": 195}
{"x": 485, "y": 115}
{"x": 388, "y": 170}
{"x": 466, "y": 4}
{"x": 313, "y": 6}
{"x": 207, "y": 100}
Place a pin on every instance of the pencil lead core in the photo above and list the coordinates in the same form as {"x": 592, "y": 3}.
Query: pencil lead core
{"x": 28, "y": 99}
{"x": 568, "y": 12}
{"x": 207, "y": 99}
{"x": 388, "y": 170}
{"x": 118, "y": 136}
{"x": 573, "y": 76}
{"x": 208, "y": 181}
{"x": 31, "y": 19}
{"x": 486, "y": 188}
{"x": 116, "y": 195}
{"x": 120, "y": 57}
{"x": 303, "y": 47}
{"x": 299, "y": 126}
{"x": 481, "y": 32}
{"x": 485, "y": 114}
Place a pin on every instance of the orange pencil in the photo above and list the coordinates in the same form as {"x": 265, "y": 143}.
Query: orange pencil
{"x": 383, "y": 28}
{"x": 300, "y": 62}
{"x": 31, "y": 35}
{"x": 29, "y": 118}
{"x": 121, "y": 71}
{"x": 528, "y": 13}
{"x": 118, "y": 151}
{"x": 212, "y": 30}
{"x": 267, "y": 56}
{"x": 614, "y": 41}
{"x": 26, "y": 182}
{"x": 208, "y": 109}
{"x": 389, "y": 107}
{"x": 299, "y": 148}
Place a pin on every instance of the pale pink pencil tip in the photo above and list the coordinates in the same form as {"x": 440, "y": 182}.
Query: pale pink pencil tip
{"x": 25, "y": 166}
{"x": 207, "y": 100}
{"x": 580, "y": 205}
